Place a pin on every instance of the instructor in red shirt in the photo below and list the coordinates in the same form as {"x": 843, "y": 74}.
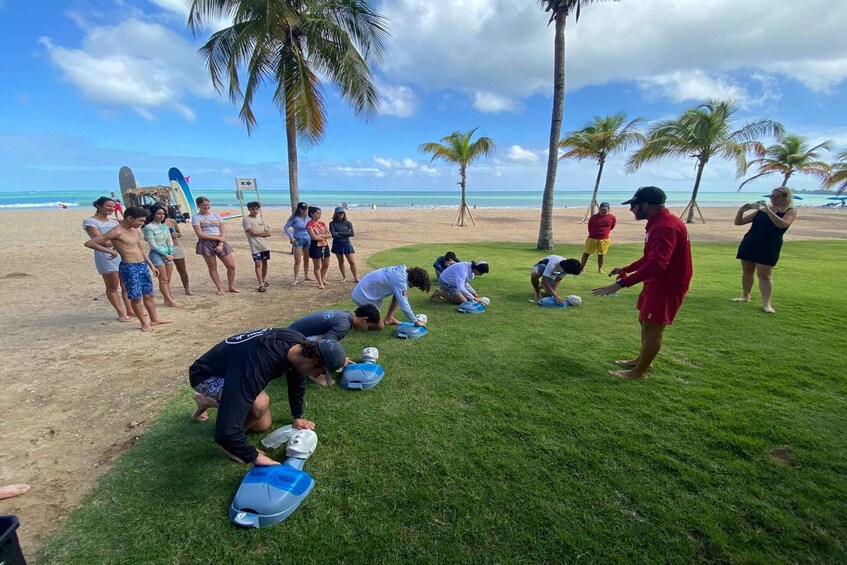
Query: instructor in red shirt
{"x": 665, "y": 270}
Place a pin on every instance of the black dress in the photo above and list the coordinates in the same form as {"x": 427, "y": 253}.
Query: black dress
{"x": 763, "y": 242}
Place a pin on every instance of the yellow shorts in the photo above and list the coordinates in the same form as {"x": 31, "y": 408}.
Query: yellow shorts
{"x": 598, "y": 246}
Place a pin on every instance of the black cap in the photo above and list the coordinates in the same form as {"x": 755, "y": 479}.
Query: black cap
{"x": 332, "y": 355}
{"x": 648, "y": 195}
{"x": 604, "y": 205}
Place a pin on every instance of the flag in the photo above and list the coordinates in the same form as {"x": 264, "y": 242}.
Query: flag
{"x": 188, "y": 178}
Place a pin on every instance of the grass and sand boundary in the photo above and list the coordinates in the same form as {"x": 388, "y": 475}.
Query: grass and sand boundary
{"x": 498, "y": 437}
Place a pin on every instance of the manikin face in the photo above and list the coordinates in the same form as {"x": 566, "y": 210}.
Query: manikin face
{"x": 160, "y": 215}
{"x": 204, "y": 207}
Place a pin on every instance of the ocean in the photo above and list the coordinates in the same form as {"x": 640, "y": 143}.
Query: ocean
{"x": 225, "y": 198}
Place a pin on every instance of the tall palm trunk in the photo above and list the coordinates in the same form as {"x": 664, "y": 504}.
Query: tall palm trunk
{"x": 463, "y": 204}
{"x": 545, "y": 229}
{"x": 593, "y": 203}
{"x": 700, "y": 167}
{"x": 786, "y": 177}
{"x": 291, "y": 139}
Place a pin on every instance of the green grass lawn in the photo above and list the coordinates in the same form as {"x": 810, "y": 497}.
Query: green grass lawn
{"x": 500, "y": 437}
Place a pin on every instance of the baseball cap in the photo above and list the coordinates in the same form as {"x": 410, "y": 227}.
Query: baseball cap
{"x": 302, "y": 205}
{"x": 605, "y": 205}
{"x": 339, "y": 210}
{"x": 648, "y": 195}
{"x": 333, "y": 356}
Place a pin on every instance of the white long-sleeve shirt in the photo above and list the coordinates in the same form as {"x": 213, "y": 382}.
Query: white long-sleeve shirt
{"x": 384, "y": 282}
{"x": 459, "y": 275}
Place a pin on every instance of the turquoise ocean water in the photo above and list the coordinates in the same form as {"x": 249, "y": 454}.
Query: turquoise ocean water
{"x": 222, "y": 198}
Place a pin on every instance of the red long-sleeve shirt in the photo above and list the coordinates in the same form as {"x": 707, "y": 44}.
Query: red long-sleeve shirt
{"x": 666, "y": 264}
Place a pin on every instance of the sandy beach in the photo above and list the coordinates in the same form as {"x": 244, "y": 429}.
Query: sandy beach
{"x": 79, "y": 387}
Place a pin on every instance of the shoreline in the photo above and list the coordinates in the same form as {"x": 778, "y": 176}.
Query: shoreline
{"x": 81, "y": 387}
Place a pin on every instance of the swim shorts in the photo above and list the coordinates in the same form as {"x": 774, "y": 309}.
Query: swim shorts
{"x": 448, "y": 289}
{"x": 598, "y": 246}
{"x": 261, "y": 256}
{"x": 211, "y": 387}
{"x": 658, "y": 307}
{"x": 135, "y": 277}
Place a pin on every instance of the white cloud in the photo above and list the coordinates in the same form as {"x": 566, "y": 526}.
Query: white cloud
{"x": 399, "y": 101}
{"x": 359, "y": 171}
{"x": 180, "y": 9}
{"x": 135, "y": 64}
{"x": 490, "y": 103}
{"x": 429, "y": 171}
{"x": 680, "y": 86}
{"x": 519, "y": 154}
{"x": 505, "y": 47}
{"x": 405, "y": 163}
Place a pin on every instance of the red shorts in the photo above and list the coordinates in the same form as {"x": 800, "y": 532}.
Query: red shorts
{"x": 658, "y": 307}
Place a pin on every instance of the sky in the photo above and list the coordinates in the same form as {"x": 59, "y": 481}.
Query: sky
{"x": 92, "y": 85}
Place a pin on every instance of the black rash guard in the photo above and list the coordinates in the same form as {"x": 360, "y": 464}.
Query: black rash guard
{"x": 248, "y": 362}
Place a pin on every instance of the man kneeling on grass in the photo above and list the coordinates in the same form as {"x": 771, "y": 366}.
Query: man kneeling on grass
{"x": 335, "y": 324}
{"x": 232, "y": 377}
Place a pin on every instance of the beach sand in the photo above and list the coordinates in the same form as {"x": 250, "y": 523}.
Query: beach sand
{"x": 79, "y": 387}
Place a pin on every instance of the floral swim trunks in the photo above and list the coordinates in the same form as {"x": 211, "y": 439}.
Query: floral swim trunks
{"x": 136, "y": 279}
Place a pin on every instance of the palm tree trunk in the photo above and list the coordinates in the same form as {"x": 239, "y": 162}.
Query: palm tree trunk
{"x": 462, "y": 204}
{"x": 545, "y": 228}
{"x": 291, "y": 139}
{"x": 786, "y": 177}
{"x": 700, "y": 167}
{"x": 593, "y": 202}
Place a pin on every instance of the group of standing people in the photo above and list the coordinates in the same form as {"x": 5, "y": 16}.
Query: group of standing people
{"x": 309, "y": 237}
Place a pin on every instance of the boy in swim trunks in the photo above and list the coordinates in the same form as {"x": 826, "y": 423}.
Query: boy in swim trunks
{"x": 257, "y": 237}
{"x": 135, "y": 276}
{"x": 548, "y": 273}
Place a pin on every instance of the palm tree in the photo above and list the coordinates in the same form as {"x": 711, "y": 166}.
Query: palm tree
{"x": 791, "y": 154}
{"x": 839, "y": 174}
{"x": 288, "y": 44}
{"x": 703, "y": 132}
{"x": 457, "y": 149}
{"x": 604, "y": 136}
{"x": 559, "y": 12}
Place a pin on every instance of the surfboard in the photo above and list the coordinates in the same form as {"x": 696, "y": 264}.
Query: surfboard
{"x": 178, "y": 196}
{"x": 126, "y": 180}
{"x": 175, "y": 175}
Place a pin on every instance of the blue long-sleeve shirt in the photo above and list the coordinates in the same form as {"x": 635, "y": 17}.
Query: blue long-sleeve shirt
{"x": 299, "y": 225}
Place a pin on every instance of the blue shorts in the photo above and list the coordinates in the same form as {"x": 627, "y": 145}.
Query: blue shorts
{"x": 302, "y": 242}
{"x": 342, "y": 247}
{"x": 262, "y": 256}
{"x": 136, "y": 279}
{"x": 211, "y": 387}
{"x": 158, "y": 260}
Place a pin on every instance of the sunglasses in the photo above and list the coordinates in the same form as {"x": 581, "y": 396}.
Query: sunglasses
{"x": 777, "y": 195}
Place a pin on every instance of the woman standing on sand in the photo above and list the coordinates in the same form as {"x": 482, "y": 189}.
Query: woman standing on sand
{"x": 158, "y": 237}
{"x": 107, "y": 266}
{"x": 211, "y": 244}
{"x": 760, "y": 248}
{"x": 299, "y": 238}
{"x": 342, "y": 230}
{"x": 179, "y": 254}
{"x": 319, "y": 247}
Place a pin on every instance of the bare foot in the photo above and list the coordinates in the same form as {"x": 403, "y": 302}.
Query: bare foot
{"x": 146, "y": 328}
{"x": 188, "y": 292}
{"x": 296, "y": 282}
{"x": 125, "y": 319}
{"x": 630, "y": 374}
{"x": 159, "y": 322}
{"x": 131, "y": 314}
{"x": 627, "y": 362}
{"x": 220, "y": 292}
{"x": 355, "y": 280}
{"x": 12, "y": 491}
{"x": 173, "y": 304}
{"x": 343, "y": 280}
{"x": 537, "y": 296}
{"x": 307, "y": 279}
{"x": 203, "y": 403}
{"x": 601, "y": 271}
{"x": 768, "y": 310}
{"x": 321, "y": 381}
{"x": 740, "y": 299}
{"x": 321, "y": 286}
{"x": 234, "y": 290}
{"x": 392, "y": 321}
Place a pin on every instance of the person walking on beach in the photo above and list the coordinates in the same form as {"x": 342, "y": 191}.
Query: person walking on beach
{"x": 319, "y": 246}
{"x": 179, "y": 254}
{"x": 455, "y": 282}
{"x": 759, "y": 250}
{"x": 341, "y": 230}
{"x": 394, "y": 282}
{"x": 106, "y": 263}
{"x": 133, "y": 270}
{"x": 335, "y": 324}
{"x": 119, "y": 209}
{"x": 211, "y": 244}
{"x": 158, "y": 237}
{"x": 299, "y": 238}
{"x": 257, "y": 237}
{"x": 548, "y": 273}
{"x": 600, "y": 226}
{"x": 665, "y": 269}
{"x": 232, "y": 377}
